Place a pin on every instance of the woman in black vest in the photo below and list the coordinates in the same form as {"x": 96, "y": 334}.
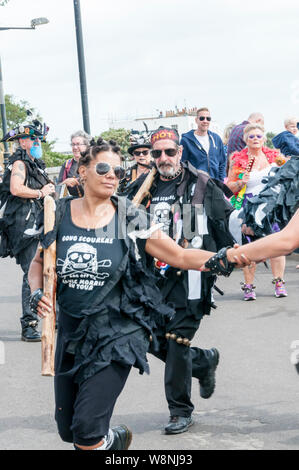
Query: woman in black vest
{"x": 109, "y": 306}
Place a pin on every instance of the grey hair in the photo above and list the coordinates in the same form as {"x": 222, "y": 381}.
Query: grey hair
{"x": 87, "y": 138}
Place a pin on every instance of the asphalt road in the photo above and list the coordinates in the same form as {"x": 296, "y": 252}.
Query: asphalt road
{"x": 255, "y": 405}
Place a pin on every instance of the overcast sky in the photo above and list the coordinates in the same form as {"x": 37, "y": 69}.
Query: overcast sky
{"x": 233, "y": 56}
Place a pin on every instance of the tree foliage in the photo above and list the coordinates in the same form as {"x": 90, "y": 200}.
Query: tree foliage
{"x": 16, "y": 114}
{"x": 269, "y": 136}
{"x": 121, "y": 136}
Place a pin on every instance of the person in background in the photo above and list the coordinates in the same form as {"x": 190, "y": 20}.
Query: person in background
{"x": 286, "y": 141}
{"x": 203, "y": 148}
{"x": 69, "y": 170}
{"x": 247, "y": 170}
{"x": 236, "y": 141}
{"x": 226, "y": 134}
{"x": 25, "y": 184}
{"x": 140, "y": 151}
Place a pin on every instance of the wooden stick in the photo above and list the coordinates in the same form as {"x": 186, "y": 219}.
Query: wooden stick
{"x": 49, "y": 284}
{"x": 144, "y": 188}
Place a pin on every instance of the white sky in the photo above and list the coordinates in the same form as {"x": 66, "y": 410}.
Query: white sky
{"x": 233, "y": 56}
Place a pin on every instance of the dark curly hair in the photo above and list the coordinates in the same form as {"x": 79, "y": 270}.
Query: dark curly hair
{"x": 97, "y": 147}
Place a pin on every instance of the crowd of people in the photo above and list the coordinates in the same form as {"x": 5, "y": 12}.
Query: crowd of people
{"x": 138, "y": 252}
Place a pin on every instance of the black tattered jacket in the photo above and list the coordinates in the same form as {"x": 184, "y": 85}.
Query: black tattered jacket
{"x": 195, "y": 191}
{"x": 18, "y": 215}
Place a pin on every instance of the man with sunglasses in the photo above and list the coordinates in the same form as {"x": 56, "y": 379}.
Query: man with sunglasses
{"x": 140, "y": 151}
{"x": 25, "y": 184}
{"x": 204, "y": 149}
{"x": 189, "y": 207}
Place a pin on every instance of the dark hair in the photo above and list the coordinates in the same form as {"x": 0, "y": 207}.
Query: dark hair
{"x": 97, "y": 147}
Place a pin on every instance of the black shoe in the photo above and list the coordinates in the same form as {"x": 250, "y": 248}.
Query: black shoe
{"x": 122, "y": 438}
{"x": 178, "y": 424}
{"x": 30, "y": 333}
{"x": 208, "y": 383}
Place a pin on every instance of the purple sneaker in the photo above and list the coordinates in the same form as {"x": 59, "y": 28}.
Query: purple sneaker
{"x": 280, "y": 290}
{"x": 249, "y": 293}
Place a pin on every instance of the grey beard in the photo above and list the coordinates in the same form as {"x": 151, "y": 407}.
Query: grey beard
{"x": 166, "y": 170}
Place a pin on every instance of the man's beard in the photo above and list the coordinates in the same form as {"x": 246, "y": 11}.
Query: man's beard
{"x": 166, "y": 170}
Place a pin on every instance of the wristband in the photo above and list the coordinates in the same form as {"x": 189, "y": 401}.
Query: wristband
{"x": 215, "y": 266}
{"x": 34, "y": 299}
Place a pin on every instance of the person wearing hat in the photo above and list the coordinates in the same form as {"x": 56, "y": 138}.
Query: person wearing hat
{"x": 140, "y": 151}
{"x": 191, "y": 208}
{"x": 25, "y": 184}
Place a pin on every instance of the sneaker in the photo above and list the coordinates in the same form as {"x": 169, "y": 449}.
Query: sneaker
{"x": 208, "y": 383}
{"x": 249, "y": 293}
{"x": 178, "y": 424}
{"x": 280, "y": 290}
{"x": 122, "y": 438}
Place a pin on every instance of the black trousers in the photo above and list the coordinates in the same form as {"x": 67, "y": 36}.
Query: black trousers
{"x": 181, "y": 363}
{"x": 24, "y": 259}
{"x": 83, "y": 411}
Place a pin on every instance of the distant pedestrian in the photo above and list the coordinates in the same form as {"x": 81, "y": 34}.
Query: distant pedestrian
{"x": 236, "y": 141}
{"x": 203, "y": 148}
{"x": 69, "y": 170}
{"x": 286, "y": 141}
{"x": 25, "y": 184}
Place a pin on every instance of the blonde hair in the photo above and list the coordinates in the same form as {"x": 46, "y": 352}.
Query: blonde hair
{"x": 227, "y": 131}
{"x": 250, "y": 128}
{"x": 290, "y": 120}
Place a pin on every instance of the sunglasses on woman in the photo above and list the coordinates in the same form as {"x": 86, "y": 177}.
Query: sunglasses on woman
{"x": 103, "y": 169}
{"x": 169, "y": 152}
{"x": 137, "y": 153}
{"x": 259, "y": 136}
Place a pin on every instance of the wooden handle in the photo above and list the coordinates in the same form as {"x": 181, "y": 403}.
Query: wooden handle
{"x": 49, "y": 283}
{"x": 144, "y": 188}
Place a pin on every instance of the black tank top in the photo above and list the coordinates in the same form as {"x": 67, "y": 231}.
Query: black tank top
{"x": 86, "y": 260}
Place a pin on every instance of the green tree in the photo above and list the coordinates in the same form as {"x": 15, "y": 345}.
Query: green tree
{"x": 269, "y": 137}
{"x": 16, "y": 114}
{"x": 121, "y": 136}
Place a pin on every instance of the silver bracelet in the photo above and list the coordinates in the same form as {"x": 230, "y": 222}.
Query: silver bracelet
{"x": 40, "y": 194}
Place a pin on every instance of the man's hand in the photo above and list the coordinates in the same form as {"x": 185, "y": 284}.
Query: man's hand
{"x": 48, "y": 189}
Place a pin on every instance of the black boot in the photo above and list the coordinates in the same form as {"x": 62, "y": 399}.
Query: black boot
{"x": 29, "y": 332}
{"x": 122, "y": 438}
{"x": 208, "y": 382}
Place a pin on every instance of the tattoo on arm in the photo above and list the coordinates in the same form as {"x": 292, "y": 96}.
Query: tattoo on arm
{"x": 19, "y": 175}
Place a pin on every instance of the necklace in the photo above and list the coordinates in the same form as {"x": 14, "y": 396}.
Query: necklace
{"x": 175, "y": 175}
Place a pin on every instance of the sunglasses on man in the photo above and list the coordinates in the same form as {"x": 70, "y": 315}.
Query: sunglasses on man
{"x": 203, "y": 118}
{"x": 103, "y": 168}
{"x": 137, "y": 153}
{"x": 169, "y": 152}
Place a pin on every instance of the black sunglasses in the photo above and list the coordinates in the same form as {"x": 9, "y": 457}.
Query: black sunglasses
{"x": 202, "y": 118}
{"x": 103, "y": 168}
{"x": 169, "y": 152}
{"x": 137, "y": 153}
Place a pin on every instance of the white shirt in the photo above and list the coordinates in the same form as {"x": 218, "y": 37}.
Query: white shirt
{"x": 204, "y": 141}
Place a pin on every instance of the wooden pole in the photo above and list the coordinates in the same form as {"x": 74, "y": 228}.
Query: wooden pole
{"x": 49, "y": 284}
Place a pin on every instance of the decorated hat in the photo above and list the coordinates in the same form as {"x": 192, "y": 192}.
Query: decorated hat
{"x": 139, "y": 140}
{"x": 165, "y": 133}
{"x": 34, "y": 129}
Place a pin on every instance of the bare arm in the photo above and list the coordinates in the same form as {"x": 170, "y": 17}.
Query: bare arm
{"x": 18, "y": 187}
{"x": 163, "y": 248}
{"x": 277, "y": 244}
{"x": 35, "y": 279}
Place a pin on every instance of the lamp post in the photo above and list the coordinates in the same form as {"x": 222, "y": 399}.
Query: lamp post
{"x": 81, "y": 63}
{"x": 35, "y": 22}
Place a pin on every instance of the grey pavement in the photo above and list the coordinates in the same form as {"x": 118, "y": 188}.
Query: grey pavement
{"x": 255, "y": 405}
